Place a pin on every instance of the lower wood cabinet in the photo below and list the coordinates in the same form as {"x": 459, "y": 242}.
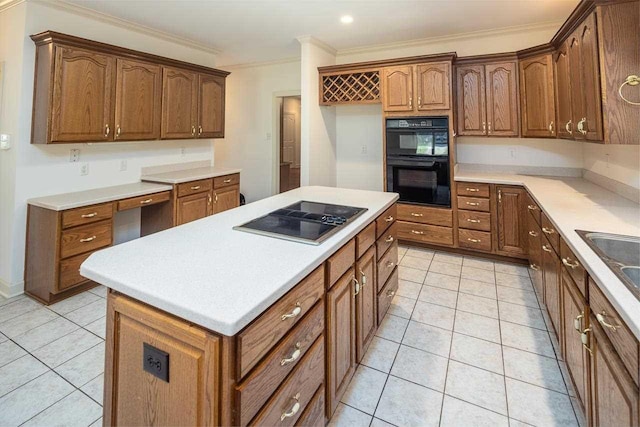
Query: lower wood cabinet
{"x": 193, "y": 207}
{"x": 226, "y": 198}
{"x": 551, "y": 266}
{"x": 512, "y": 229}
{"x": 534, "y": 234}
{"x": 198, "y": 199}
{"x": 366, "y": 301}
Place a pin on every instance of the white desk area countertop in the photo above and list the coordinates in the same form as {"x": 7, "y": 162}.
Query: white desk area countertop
{"x": 209, "y": 274}
{"x": 577, "y": 204}
{"x": 186, "y": 175}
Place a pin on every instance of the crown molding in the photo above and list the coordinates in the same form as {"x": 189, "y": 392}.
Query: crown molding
{"x": 317, "y": 42}
{"x": 124, "y": 23}
{"x": 447, "y": 38}
{"x": 257, "y": 64}
{"x": 8, "y": 4}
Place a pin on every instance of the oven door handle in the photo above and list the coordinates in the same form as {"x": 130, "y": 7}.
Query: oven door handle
{"x": 412, "y": 163}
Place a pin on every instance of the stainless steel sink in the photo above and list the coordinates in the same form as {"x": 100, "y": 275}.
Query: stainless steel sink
{"x": 620, "y": 253}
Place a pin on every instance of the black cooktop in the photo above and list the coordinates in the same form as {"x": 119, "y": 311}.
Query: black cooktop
{"x": 306, "y": 222}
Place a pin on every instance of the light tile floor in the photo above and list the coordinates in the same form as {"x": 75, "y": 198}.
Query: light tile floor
{"x": 464, "y": 343}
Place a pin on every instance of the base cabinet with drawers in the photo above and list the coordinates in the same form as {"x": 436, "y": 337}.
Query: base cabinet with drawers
{"x": 198, "y": 199}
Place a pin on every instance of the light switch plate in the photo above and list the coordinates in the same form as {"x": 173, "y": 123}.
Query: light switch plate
{"x": 5, "y": 141}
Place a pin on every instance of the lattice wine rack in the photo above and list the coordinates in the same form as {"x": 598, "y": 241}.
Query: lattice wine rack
{"x": 352, "y": 88}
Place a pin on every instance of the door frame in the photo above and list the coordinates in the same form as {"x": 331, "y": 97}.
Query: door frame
{"x": 275, "y": 136}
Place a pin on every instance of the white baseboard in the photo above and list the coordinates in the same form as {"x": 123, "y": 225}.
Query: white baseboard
{"x": 8, "y": 290}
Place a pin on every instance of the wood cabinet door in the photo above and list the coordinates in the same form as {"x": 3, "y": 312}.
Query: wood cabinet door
{"x": 512, "y": 227}
{"x": 614, "y": 395}
{"x": 534, "y": 236}
{"x": 341, "y": 339}
{"x": 537, "y": 104}
{"x": 575, "y": 76}
{"x": 590, "y": 87}
{"x": 211, "y": 106}
{"x": 366, "y": 302}
{"x": 398, "y": 88}
{"x": 82, "y": 108}
{"x": 226, "y": 198}
{"x": 575, "y": 320}
{"x": 502, "y": 99}
{"x": 551, "y": 266}
{"x": 564, "y": 119}
{"x": 138, "y": 96}
{"x": 471, "y": 99}
{"x": 433, "y": 86}
{"x": 179, "y": 104}
{"x": 193, "y": 207}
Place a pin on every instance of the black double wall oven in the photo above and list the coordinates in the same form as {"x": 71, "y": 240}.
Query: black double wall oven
{"x": 418, "y": 160}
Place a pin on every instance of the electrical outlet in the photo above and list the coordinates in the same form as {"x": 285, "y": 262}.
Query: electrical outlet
{"x": 5, "y": 141}
{"x": 74, "y": 156}
{"x": 84, "y": 169}
{"x": 155, "y": 361}
{"x": 513, "y": 153}
{"x": 268, "y": 135}
{"x": 364, "y": 149}
{"x": 123, "y": 165}
{"x": 607, "y": 159}
{"x": 183, "y": 151}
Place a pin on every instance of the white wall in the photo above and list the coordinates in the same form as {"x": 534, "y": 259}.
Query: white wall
{"x": 618, "y": 162}
{"x": 251, "y": 113}
{"x": 44, "y": 170}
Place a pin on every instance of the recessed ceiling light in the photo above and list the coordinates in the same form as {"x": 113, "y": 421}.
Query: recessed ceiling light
{"x": 346, "y": 19}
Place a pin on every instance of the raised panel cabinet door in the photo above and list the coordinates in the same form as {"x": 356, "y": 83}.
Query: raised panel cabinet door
{"x": 534, "y": 236}
{"x": 590, "y": 68}
{"x": 512, "y": 226}
{"x": 138, "y": 100}
{"x": 211, "y": 100}
{"x": 82, "y": 108}
{"x": 193, "y": 207}
{"x": 471, "y": 99}
{"x": 226, "y": 198}
{"x": 575, "y": 76}
{"x": 551, "y": 266}
{"x": 366, "y": 316}
{"x": 433, "y": 86}
{"x": 341, "y": 339}
{"x": 502, "y": 99}
{"x": 614, "y": 395}
{"x": 398, "y": 88}
{"x": 538, "y": 111}
{"x": 179, "y": 104}
{"x": 562, "y": 81}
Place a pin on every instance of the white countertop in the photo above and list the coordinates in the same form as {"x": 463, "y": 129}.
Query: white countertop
{"x": 209, "y": 274}
{"x": 61, "y": 202}
{"x": 576, "y": 204}
{"x": 186, "y": 175}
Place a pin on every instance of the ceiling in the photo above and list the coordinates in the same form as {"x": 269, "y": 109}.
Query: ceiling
{"x": 248, "y": 31}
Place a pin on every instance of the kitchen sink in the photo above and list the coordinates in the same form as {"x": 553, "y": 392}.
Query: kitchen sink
{"x": 620, "y": 253}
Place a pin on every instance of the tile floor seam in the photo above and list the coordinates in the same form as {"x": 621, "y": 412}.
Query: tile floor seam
{"x": 33, "y": 379}
{"x": 76, "y": 356}
{"x": 77, "y": 324}
{"x": 446, "y": 373}
{"x": 476, "y": 405}
{"x": 504, "y": 368}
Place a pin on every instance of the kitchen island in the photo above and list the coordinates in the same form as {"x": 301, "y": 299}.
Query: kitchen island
{"x": 208, "y": 325}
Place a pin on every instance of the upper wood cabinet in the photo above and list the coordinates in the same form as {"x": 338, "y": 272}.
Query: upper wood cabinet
{"x": 472, "y": 110}
{"x": 138, "y": 95}
{"x": 590, "y": 80}
{"x": 562, "y": 82}
{"x": 537, "y": 104}
{"x": 421, "y": 87}
{"x": 512, "y": 225}
{"x": 85, "y": 91}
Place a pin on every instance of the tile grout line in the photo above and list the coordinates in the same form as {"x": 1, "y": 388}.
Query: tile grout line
{"x": 446, "y": 375}
{"x": 504, "y": 367}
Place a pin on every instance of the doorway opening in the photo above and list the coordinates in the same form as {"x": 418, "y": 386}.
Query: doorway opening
{"x": 290, "y": 135}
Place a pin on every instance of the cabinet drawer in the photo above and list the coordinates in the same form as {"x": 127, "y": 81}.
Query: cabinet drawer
{"x": 259, "y": 386}
{"x": 552, "y": 234}
{"x": 384, "y": 221}
{"x": 386, "y": 265}
{"x": 425, "y": 233}
{"x": 472, "y": 239}
{"x": 226, "y": 181}
{"x": 259, "y": 337}
{"x": 533, "y": 208}
{"x": 386, "y": 240}
{"x": 81, "y": 216}
{"x": 194, "y": 187}
{"x": 146, "y": 200}
{"x": 69, "y": 274}
{"x": 574, "y": 267}
{"x": 365, "y": 239}
{"x": 425, "y": 215}
{"x": 86, "y": 238}
{"x": 621, "y": 337}
{"x": 340, "y": 262}
{"x": 474, "y": 204}
{"x": 313, "y": 415}
{"x": 385, "y": 296}
{"x": 290, "y": 400}
{"x": 474, "y": 220}
{"x": 473, "y": 189}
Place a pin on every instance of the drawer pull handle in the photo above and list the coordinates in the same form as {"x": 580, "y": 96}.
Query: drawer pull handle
{"x": 568, "y": 263}
{"x": 195, "y": 187}
{"x": 363, "y": 278}
{"x": 474, "y": 240}
{"x": 601, "y": 317}
{"x": 390, "y": 264}
{"x": 417, "y": 215}
{"x": 146, "y": 202}
{"x": 390, "y": 294}
{"x": 88, "y": 239}
{"x": 90, "y": 215}
{"x": 584, "y": 336}
{"x": 548, "y": 230}
{"x": 199, "y": 130}
{"x": 294, "y": 409}
{"x": 294, "y": 313}
{"x": 357, "y": 285}
{"x": 533, "y": 234}
{"x": 389, "y": 219}
{"x": 389, "y": 239}
{"x": 419, "y": 233}
{"x": 193, "y": 131}
{"x": 474, "y": 221}
{"x": 534, "y": 267}
{"x": 227, "y": 181}
{"x": 294, "y": 356}
{"x": 577, "y": 323}
{"x": 472, "y": 190}
{"x": 532, "y": 207}
{"x": 546, "y": 248}
{"x": 473, "y": 204}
